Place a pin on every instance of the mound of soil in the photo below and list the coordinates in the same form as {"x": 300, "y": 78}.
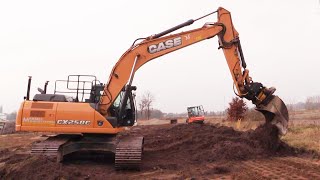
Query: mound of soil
{"x": 201, "y": 143}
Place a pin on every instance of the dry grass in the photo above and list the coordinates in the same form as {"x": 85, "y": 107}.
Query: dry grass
{"x": 243, "y": 125}
{"x": 304, "y": 136}
{"x": 304, "y": 115}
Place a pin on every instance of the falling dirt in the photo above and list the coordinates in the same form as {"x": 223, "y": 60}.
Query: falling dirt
{"x": 176, "y": 152}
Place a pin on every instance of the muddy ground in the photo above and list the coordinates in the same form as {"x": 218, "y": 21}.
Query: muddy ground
{"x": 181, "y": 151}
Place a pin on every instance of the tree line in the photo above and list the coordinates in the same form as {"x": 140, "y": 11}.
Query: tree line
{"x": 311, "y": 103}
{"x": 237, "y": 109}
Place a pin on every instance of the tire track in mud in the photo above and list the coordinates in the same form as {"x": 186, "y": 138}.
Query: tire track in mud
{"x": 281, "y": 168}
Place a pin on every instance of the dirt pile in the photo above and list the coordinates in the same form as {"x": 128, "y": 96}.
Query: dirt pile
{"x": 196, "y": 143}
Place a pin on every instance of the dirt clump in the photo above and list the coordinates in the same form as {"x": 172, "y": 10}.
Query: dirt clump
{"x": 217, "y": 170}
{"x": 268, "y": 137}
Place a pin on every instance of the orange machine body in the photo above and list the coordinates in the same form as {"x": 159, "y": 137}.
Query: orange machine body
{"x": 198, "y": 119}
{"x": 62, "y": 117}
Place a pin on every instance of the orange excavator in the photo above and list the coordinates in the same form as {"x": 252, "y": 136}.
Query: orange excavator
{"x": 93, "y": 124}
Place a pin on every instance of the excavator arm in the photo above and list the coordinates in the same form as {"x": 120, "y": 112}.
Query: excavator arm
{"x": 157, "y": 45}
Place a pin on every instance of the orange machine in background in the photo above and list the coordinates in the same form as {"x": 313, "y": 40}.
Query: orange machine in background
{"x": 195, "y": 114}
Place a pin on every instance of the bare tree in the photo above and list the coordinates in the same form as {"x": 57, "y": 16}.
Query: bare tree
{"x": 148, "y": 98}
{"x": 312, "y": 103}
{"x": 146, "y": 103}
{"x": 141, "y": 107}
{"x": 291, "y": 105}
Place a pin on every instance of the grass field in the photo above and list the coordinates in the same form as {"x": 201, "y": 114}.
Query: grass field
{"x": 304, "y": 136}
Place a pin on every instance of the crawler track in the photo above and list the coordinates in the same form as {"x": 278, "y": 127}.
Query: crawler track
{"x": 49, "y": 146}
{"x": 129, "y": 153}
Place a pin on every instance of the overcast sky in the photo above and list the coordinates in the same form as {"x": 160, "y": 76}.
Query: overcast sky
{"x": 52, "y": 39}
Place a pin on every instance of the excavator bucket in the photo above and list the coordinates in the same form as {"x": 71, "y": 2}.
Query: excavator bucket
{"x": 276, "y": 113}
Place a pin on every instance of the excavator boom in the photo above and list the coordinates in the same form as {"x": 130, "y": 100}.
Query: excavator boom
{"x": 158, "y": 45}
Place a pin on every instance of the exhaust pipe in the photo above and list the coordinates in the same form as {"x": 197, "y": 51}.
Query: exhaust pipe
{"x": 45, "y": 87}
{"x": 28, "y": 89}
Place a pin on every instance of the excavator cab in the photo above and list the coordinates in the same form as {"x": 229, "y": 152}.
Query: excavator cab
{"x": 195, "y": 114}
{"x": 124, "y": 113}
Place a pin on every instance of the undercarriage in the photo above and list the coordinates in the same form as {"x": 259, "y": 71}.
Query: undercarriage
{"x": 128, "y": 151}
